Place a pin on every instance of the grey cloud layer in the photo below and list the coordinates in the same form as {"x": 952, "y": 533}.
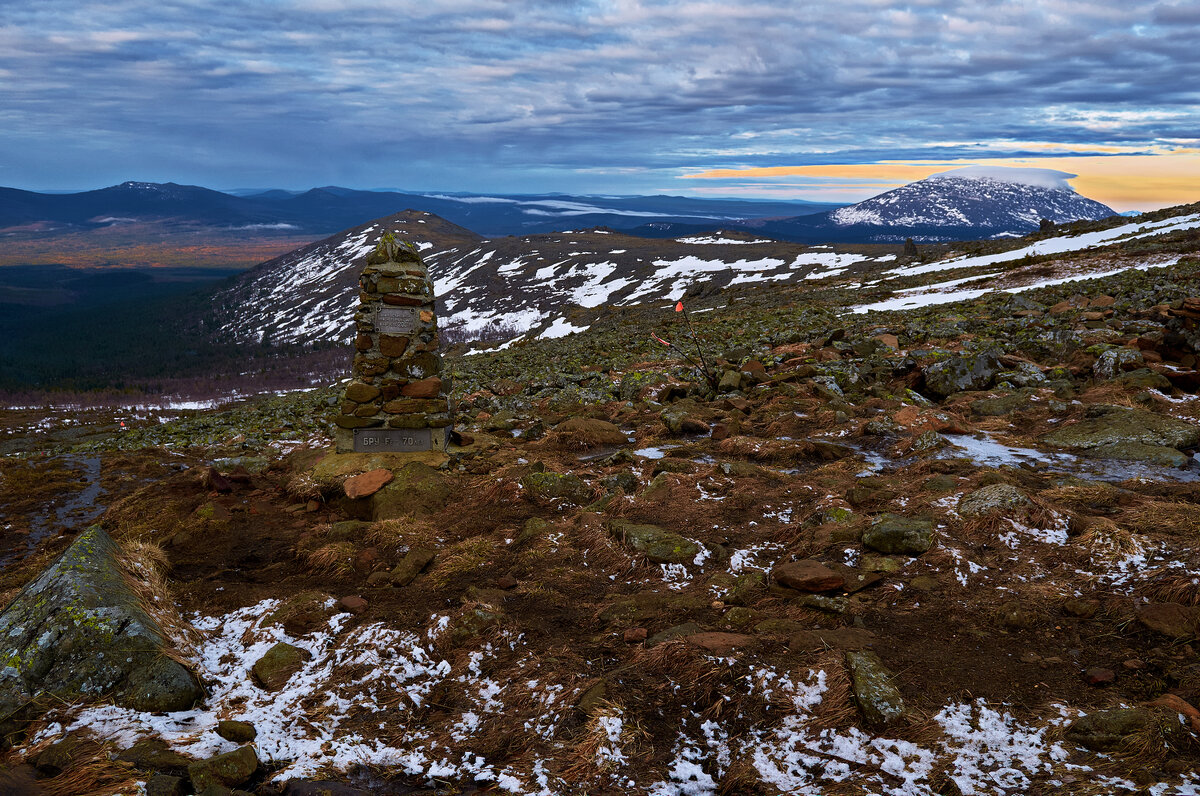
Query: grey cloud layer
{"x": 379, "y": 92}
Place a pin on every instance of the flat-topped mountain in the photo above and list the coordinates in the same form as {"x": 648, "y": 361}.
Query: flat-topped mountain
{"x": 964, "y": 204}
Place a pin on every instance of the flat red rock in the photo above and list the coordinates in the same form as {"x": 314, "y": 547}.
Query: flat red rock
{"x": 807, "y": 575}
{"x": 367, "y": 484}
{"x": 719, "y": 643}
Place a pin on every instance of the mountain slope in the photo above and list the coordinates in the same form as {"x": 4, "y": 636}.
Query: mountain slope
{"x": 551, "y": 285}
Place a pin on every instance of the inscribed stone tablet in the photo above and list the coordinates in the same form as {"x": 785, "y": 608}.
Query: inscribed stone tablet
{"x": 396, "y": 320}
{"x": 392, "y": 440}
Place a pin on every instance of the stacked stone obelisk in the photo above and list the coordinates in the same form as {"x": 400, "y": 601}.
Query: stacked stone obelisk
{"x": 396, "y": 399}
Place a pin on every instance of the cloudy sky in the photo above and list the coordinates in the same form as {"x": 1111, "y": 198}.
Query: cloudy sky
{"x": 806, "y": 100}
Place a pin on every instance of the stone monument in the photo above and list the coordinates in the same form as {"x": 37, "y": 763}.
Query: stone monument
{"x": 396, "y": 400}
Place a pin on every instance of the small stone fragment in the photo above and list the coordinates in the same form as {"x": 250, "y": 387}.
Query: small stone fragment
{"x": 353, "y": 604}
{"x": 1098, "y": 675}
{"x": 367, "y": 484}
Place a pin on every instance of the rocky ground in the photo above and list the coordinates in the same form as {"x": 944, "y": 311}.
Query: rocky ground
{"x": 945, "y": 550}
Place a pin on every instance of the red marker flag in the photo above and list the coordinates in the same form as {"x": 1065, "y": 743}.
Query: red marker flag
{"x": 659, "y": 339}
{"x": 679, "y": 307}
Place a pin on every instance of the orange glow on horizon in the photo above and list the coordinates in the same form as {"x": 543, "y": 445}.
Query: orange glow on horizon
{"x": 1123, "y": 182}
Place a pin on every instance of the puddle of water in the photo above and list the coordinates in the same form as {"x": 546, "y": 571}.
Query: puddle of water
{"x": 650, "y": 453}
{"x": 79, "y": 509}
{"x": 987, "y": 451}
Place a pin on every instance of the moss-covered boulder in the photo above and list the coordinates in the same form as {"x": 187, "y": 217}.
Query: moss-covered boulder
{"x": 993, "y": 499}
{"x": 558, "y": 486}
{"x": 658, "y": 545}
{"x": 79, "y": 631}
{"x": 278, "y": 664}
{"x": 1104, "y": 730}
{"x": 417, "y": 490}
{"x": 961, "y": 372}
{"x": 877, "y": 698}
{"x": 893, "y": 534}
{"x": 1119, "y": 425}
{"x": 224, "y": 771}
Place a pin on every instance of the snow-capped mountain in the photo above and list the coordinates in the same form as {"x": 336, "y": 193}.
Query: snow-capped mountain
{"x": 969, "y": 203}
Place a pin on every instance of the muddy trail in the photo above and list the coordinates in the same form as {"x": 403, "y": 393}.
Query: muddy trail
{"x": 893, "y": 557}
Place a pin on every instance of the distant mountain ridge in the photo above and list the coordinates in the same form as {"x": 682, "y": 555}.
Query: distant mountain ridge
{"x": 329, "y": 209}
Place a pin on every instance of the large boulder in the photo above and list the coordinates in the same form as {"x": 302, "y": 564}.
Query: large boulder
{"x": 658, "y": 545}
{"x": 992, "y": 499}
{"x": 893, "y": 534}
{"x": 78, "y": 631}
{"x": 961, "y": 372}
{"x": 1118, "y": 425}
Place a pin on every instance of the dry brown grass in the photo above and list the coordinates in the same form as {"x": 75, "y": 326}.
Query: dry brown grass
{"x": 397, "y": 534}
{"x": 601, "y": 549}
{"x": 90, "y": 772}
{"x": 304, "y": 486}
{"x": 766, "y": 450}
{"x": 335, "y": 558}
{"x": 460, "y": 559}
{"x": 1174, "y": 587}
{"x": 837, "y": 708}
{"x": 1097, "y": 495}
{"x": 588, "y": 761}
{"x": 1108, "y": 542}
{"x": 144, "y": 566}
{"x": 1172, "y": 519}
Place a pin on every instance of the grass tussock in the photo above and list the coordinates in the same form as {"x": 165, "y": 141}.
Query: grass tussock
{"x": 1174, "y": 587}
{"x": 766, "y": 450}
{"x": 88, "y": 771}
{"x": 335, "y": 558}
{"x": 1094, "y": 496}
{"x": 461, "y": 559}
{"x": 400, "y": 534}
{"x": 144, "y": 566}
{"x": 1172, "y": 519}
{"x": 1108, "y": 542}
{"x": 836, "y": 708}
{"x": 304, "y": 486}
{"x": 610, "y": 731}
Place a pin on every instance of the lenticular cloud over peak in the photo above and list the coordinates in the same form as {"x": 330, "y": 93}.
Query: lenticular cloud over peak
{"x": 1050, "y": 179}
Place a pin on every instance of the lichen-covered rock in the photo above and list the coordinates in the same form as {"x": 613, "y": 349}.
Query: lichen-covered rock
{"x": 1116, "y": 425}
{"x": 893, "y": 534}
{"x": 558, "y": 486}
{"x": 992, "y": 500}
{"x": 79, "y": 631}
{"x": 417, "y": 490}
{"x": 658, "y": 545}
{"x": 877, "y": 698}
{"x": 1104, "y": 730}
{"x": 226, "y": 771}
{"x": 961, "y": 372}
{"x": 1160, "y": 455}
{"x": 1115, "y": 360}
{"x": 278, "y": 664}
